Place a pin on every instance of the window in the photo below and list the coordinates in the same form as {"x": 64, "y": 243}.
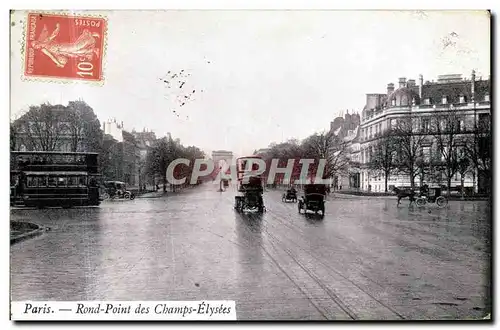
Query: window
{"x": 459, "y": 125}
{"x": 42, "y": 181}
{"x": 52, "y": 182}
{"x": 444, "y": 152}
{"x": 72, "y": 181}
{"x": 442, "y": 125}
{"x": 62, "y": 181}
{"x": 484, "y": 122}
{"x": 427, "y": 101}
{"x": 371, "y": 131}
{"x": 462, "y": 99}
{"x": 425, "y": 125}
{"x": 32, "y": 181}
{"x": 426, "y": 151}
{"x": 444, "y": 100}
{"x": 487, "y": 98}
{"x": 82, "y": 181}
{"x": 393, "y": 102}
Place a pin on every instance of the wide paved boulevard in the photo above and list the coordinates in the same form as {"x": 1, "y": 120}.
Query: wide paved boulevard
{"x": 367, "y": 259}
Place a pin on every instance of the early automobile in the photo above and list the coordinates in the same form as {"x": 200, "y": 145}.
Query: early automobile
{"x": 313, "y": 199}
{"x": 290, "y": 195}
{"x": 250, "y": 188}
{"x": 433, "y": 196}
{"x": 117, "y": 190}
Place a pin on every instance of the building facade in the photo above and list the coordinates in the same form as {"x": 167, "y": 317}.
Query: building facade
{"x": 467, "y": 99}
{"x": 123, "y": 154}
{"x": 55, "y": 128}
{"x": 346, "y": 129}
{"x": 145, "y": 140}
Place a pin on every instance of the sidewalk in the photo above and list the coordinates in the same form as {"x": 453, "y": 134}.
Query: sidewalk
{"x": 161, "y": 193}
{"x": 390, "y": 194}
{"x": 154, "y": 194}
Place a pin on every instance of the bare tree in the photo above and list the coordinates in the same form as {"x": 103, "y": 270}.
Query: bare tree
{"x": 448, "y": 129}
{"x": 84, "y": 127}
{"x": 383, "y": 160}
{"x": 290, "y": 150}
{"x": 40, "y": 128}
{"x": 478, "y": 147}
{"x": 166, "y": 150}
{"x": 328, "y": 146}
{"x": 464, "y": 167}
{"x": 158, "y": 159}
{"x": 14, "y": 135}
{"x": 408, "y": 148}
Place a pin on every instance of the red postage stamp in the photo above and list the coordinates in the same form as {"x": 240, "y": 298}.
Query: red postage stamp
{"x": 65, "y": 46}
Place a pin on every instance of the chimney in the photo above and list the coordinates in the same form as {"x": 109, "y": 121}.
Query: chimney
{"x": 122, "y": 124}
{"x": 411, "y": 83}
{"x": 473, "y": 87}
{"x": 420, "y": 84}
{"x": 402, "y": 82}
{"x": 390, "y": 88}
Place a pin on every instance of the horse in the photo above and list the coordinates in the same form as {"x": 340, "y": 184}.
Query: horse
{"x": 403, "y": 194}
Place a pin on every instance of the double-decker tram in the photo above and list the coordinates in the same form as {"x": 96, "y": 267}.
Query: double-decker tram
{"x": 66, "y": 179}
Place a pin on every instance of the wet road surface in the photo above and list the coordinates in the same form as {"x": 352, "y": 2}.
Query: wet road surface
{"x": 366, "y": 259}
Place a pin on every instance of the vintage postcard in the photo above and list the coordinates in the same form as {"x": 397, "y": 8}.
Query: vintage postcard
{"x": 217, "y": 165}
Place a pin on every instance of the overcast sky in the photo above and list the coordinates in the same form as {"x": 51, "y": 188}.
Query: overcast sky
{"x": 265, "y": 75}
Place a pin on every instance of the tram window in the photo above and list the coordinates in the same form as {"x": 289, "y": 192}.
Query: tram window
{"x": 73, "y": 181}
{"x": 42, "y": 181}
{"x": 14, "y": 180}
{"x": 82, "y": 180}
{"x": 31, "y": 181}
{"x": 62, "y": 181}
{"x": 93, "y": 182}
{"x": 52, "y": 182}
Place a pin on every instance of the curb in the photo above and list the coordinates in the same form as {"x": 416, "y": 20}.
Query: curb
{"x": 40, "y": 230}
{"x": 452, "y": 198}
{"x": 147, "y": 197}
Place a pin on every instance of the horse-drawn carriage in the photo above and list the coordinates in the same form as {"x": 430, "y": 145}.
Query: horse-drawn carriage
{"x": 250, "y": 187}
{"x": 289, "y": 195}
{"x": 432, "y": 196}
{"x": 313, "y": 199}
{"x": 428, "y": 195}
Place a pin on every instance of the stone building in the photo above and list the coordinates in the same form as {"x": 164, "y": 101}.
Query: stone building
{"x": 468, "y": 98}
{"x": 122, "y": 154}
{"x": 145, "y": 140}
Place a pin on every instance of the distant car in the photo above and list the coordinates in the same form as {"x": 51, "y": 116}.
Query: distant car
{"x": 289, "y": 195}
{"x": 117, "y": 189}
{"x": 313, "y": 199}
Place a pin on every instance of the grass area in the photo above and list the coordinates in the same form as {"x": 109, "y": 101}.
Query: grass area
{"x": 19, "y": 228}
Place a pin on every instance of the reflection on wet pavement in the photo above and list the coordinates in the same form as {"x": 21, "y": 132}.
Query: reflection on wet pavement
{"x": 366, "y": 259}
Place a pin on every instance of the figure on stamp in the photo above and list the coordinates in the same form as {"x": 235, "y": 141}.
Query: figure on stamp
{"x": 59, "y": 53}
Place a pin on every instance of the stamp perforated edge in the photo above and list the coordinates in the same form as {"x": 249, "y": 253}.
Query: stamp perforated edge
{"x": 63, "y": 80}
